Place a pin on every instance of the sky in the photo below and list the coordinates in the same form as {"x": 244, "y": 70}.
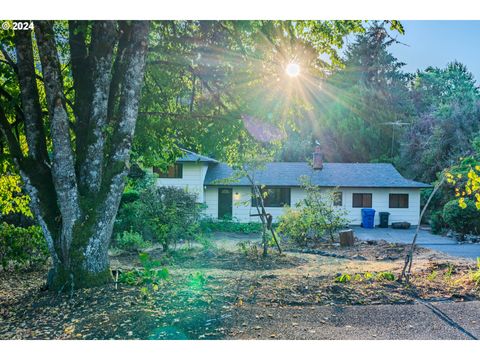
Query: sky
{"x": 436, "y": 43}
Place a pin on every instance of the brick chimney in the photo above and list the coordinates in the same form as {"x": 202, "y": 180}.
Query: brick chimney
{"x": 317, "y": 159}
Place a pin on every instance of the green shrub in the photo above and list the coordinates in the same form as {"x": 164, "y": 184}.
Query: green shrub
{"x": 209, "y": 225}
{"x": 128, "y": 219}
{"x": 163, "y": 215}
{"x": 315, "y": 217}
{"x": 295, "y": 226}
{"x": 150, "y": 276}
{"x": 130, "y": 196}
{"x": 249, "y": 249}
{"x": 462, "y": 221}
{"x": 131, "y": 241}
{"x": 437, "y": 223}
{"x": 22, "y": 247}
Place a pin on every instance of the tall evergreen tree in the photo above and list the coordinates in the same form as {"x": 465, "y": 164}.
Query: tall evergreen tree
{"x": 360, "y": 105}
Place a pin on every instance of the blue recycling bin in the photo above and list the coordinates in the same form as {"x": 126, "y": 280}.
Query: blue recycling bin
{"x": 368, "y": 218}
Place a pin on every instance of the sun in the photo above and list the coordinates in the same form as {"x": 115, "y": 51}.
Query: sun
{"x": 292, "y": 69}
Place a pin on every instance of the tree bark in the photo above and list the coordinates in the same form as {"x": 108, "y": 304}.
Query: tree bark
{"x": 75, "y": 195}
{"x": 102, "y": 47}
{"x": 29, "y": 94}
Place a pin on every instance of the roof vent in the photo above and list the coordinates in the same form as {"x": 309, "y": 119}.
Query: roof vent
{"x": 317, "y": 159}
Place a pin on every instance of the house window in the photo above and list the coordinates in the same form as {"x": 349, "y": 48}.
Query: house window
{"x": 275, "y": 197}
{"x": 362, "y": 200}
{"x": 173, "y": 172}
{"x": 399, "y": 201}
{"x": 337, "y": 198}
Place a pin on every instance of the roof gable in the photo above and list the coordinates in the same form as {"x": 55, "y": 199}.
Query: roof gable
{"x": 190, "y": 156}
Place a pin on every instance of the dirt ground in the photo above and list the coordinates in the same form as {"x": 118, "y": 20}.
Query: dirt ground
{"x": 225, "y": 291}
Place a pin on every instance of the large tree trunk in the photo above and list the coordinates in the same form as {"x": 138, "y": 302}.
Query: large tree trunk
{"x": 75, "y": 193}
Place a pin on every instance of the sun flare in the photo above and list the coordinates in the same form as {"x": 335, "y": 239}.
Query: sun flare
{"x": 293, "y": 69}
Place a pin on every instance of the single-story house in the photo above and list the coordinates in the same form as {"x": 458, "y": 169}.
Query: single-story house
{"x": 358, "y": 185}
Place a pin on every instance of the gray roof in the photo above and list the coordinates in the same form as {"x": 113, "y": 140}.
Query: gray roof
{"x": 332, "y": 175}
{"x": 190, "y": 156}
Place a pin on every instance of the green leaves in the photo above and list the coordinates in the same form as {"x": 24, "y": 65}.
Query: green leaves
{"x": 202, "y": 76}
{"x": 22, "y": 247}
{"x": 367, "y": 276}
{"x": 386, "y": 275}
{"x": 12, "y": 199}
{"x": 315, "y": 217}
{"x": 344, "y": 278}
{"x": 150, "y": 277}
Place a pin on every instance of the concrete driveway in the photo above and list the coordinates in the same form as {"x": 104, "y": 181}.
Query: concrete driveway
{"x": 425, "y": 238}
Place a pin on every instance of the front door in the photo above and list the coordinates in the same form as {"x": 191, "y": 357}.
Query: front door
{"x": 225, "y": 203}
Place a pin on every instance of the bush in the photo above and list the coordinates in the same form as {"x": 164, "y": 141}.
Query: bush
{"x": 150, "y": 276}
{"x": 128, "y": 218}
{"x": 208, "y": 225}
{"x": 437, "y": 223}
{"x": 463, "y": 221}
{"x": 22, "y": 247}
{"x": 315, "y": 217}
{"x": 163, "y": 215}
{"x": 131, "y": 241}
{"x": 295, "y": 226}
{"x": 129, "y": 196}
{"x": 249, "y": 249}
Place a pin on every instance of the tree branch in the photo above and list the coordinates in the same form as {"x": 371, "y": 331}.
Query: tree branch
{"x": 29, "y": 94}
{"x": 12, "y": 141}
{"x": 104, "y": 36}
{"x": 81, "y": 83}
{"x": 118, "y": 70}
{"x": 115, "y": 175}
{"x": 63, "y": 171}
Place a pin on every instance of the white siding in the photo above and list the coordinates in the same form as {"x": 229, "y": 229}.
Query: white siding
{"x": 192, "y": 179}
{"x": 380, "y": 202}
